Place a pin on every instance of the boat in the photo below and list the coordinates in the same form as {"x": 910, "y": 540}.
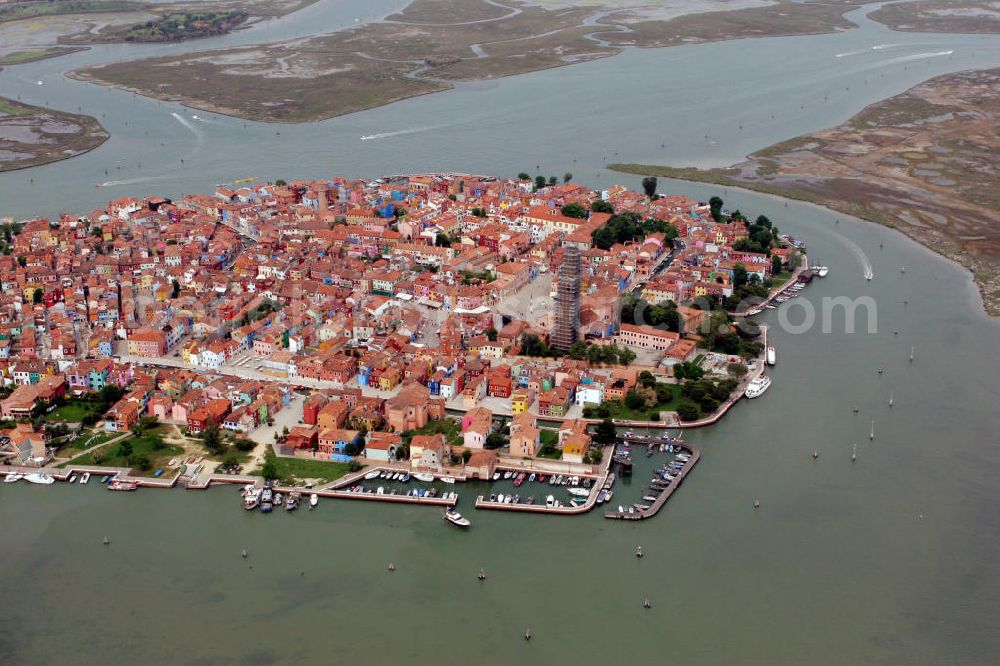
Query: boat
{"x": 611, "y": 494}
{"x": 550, "y": 501}
{"x": 579, "y": 492}
{"x": 85, "y": 478}
{"x": 758, "y": 386}
{"x": 578, "y": 501}
{"x": 125, "y": 486}
{"x": 266, "y": 507}
{"x": 72, "y": 477}
{"x": 423, "y": 476}
{"x": 493, "y": 497}
{"x": 12, "y": 477}
{"x": 508, "y": 474}
{"x": 602, "y": 496}
{"x": 501, "y": 498}
{"x": 313, "y": 500}
{"x": 455, "y": 518}
{"x": 371, "y": 475}
{"x": 292, "y": 503}
{"x": 772, "y": 356}
{"x": 380, "y": 490}
{"x": 519, "y": 480}
{"x": 541, "y": 478}
{"x": 822, "y": 271}
{"x": 531, "y": 478}
{"x": 496, "y": 476}
{"x": 447, "y": 479}
{"x": 39, "y": 477}
{"x": 251, "y": 500}
{"x": 621, "y": 509}
{"x": 405, "y": 478}
{"x": 240, "y": 181}
{"x": 648, "y": 498}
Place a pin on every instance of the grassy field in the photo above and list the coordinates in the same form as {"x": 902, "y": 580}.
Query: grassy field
{"x": 291, "y": 470}
{"x": 20, "y": 57}
{"x": 73, "y": 411}
{"x": 619, "y": 410}
{"x": 450, "y": 427}
{"x": 148, "y": 448}
{"x": 23, "y": 10}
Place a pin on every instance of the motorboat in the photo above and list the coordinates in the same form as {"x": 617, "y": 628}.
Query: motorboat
{"x": 496, "y": 476}
{"x": 550, "y": 501}
{"x": 251, "y": 500}
{"x": 508, "y": 474}
{"x": 772, "y": 356}
{"x": 493, "y": 497}
{"x": 124, "y": 486}
{"x": 531, "y": 478}
{"x": 423, "y": 476}
{"x": 12, "y": 477}
{"x": 758, "y": 386}
{"x": 39, "y": 477}
{"x": 85, "y": 478}
{"x": 405, "y": 478}
{"x": 602, "y": 496}
{"x": 519, "y": 480}
{"x": 822, "y": 270}
{"x": 579, "y": 492}
{"x": 447, "y": 479}
{"x": 266, "y": 507}
{"x": 72, "y": 477}
{"x": 455, "y": 518}
{"x": 313, "y": 500}
{"x": 501, "y": 498}
{"x": 380, "y": 490}
{"x": 372, "y": 475}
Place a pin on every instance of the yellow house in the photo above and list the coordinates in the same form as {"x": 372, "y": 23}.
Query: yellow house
{"x": 700, "y": 289}
{"x": 191, "y": 348}
{"x": 519, "y": 402}
{"x": 388, "y": 381}
{"x": 29, "y": 290}
{"x": 574, "y": 447}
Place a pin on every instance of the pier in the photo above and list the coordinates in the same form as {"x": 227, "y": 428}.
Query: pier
{"x": 654, "y": 508}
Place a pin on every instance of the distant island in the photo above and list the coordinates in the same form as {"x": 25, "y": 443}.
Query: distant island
{"x": 31, "y": 135}
{"x": 924, "y": 162}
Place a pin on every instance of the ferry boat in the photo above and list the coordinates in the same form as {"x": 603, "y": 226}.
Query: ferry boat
{"x": 772, "y": 356}
{"x": 125, "y": 486}
{"x": 455, "y": 518}
{"x": 757, "y": 387}
{"x": 39, "y": 477}
{"x": 423, "y": 476}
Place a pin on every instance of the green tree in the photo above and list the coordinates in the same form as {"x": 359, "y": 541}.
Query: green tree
{"x": 125, "y": 449}
{"x": 491, "y": 334}
{"x": 688, "y": 410}
{"x": 647, "y": 379}
{"x": 574, "y": 210}
{"x": 553, "y": 180}
{"x": 441, "y": 240}
{"x": 36, "y": 296}
{"x": 633, "y": 400}
{"x": 736, "y": 369}
{"x": 176, "y": 289}
{"x": 466, "y": 454}
{"x": 715, "y": 208}
{"x": 244, "y": 444}
{"x": 280, "y": 183}
{"x": 739, "y": 275}
{"x": 539, "y": 182}
{"x": 524, "y": 176}
{"x": 578, "y": 351}
{"x": 602, "y": 206}
{"x": 567, "y": 177}
{"x": 775, "y": 265}
{"x": 649, "y": 186}
{"x": 269, "y": 470}
{"x": 495, "y": 440}
{"x": 605, "y": 433}
{"x": 212, "y": 439}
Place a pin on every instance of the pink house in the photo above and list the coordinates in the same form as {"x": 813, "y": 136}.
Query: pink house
{"x": 161, "y": 406}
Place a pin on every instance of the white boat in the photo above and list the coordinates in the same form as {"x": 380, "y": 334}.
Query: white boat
{"x": 72, "y": 477}
{"x": 251, "y": 500}
{"x": 757, "y": 387}
{"x": 371, "y": 475}
{"x": 39, "y": 477}
{"x": 380, "y": 490}
{"x": 447, "y": 479}
{"x": 579, "y": 492}
{"x": 313, "y": 499}
{"x": 455, "y": 518}
{"x": 550, "y": 501}
{"x": 11, "y": 478}
{"x": 85, "y": 478}
{"x": 500, "y": 498}
{"x": 423, "y": 476}
{"x": 822, "y": 271}
{"x": 496, "y": 476}
{"x": 772, "y": 356}
{"x": 508, "y": 474}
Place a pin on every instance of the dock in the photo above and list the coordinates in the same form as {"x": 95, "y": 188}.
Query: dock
{"x": 662, "y": 498}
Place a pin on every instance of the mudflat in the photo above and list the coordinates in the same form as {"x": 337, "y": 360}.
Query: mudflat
{"x": 433, "y": 43}
{"x": 31, "y": 135}
{"x": 923, "y": 162}
{"x": 969, "y": 16}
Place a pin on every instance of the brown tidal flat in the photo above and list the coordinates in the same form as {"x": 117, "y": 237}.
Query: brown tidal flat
{"x": 923, "y": 162}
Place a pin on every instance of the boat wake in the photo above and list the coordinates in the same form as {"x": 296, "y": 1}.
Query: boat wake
{"x": 412, "y": 130}
{"x": 916, "y": 56}
{"x": 877, "y": 47}
{"x": 128, "y": 181}
{"x": 866, "y": 265}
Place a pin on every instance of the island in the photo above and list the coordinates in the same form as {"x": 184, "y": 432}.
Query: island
{"x": 339, "y": 336}
{"x": 432, "y": 44}
{"x": 31, "y": 135}
{"x": 923, "y": 162}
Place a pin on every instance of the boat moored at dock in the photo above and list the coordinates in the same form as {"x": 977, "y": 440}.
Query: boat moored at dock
{"x": 39, "y": 478}
{"x": 758, "y": 386}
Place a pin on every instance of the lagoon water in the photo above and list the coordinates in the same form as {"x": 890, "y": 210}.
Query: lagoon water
{"x": 889, "y": 560}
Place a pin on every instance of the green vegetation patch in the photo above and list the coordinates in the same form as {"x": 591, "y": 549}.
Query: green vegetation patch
{"x": 145, "y": 453}
{"x": 292, "y": 470}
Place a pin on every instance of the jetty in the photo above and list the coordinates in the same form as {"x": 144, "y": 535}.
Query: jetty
{"x": 661, "y": 499}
